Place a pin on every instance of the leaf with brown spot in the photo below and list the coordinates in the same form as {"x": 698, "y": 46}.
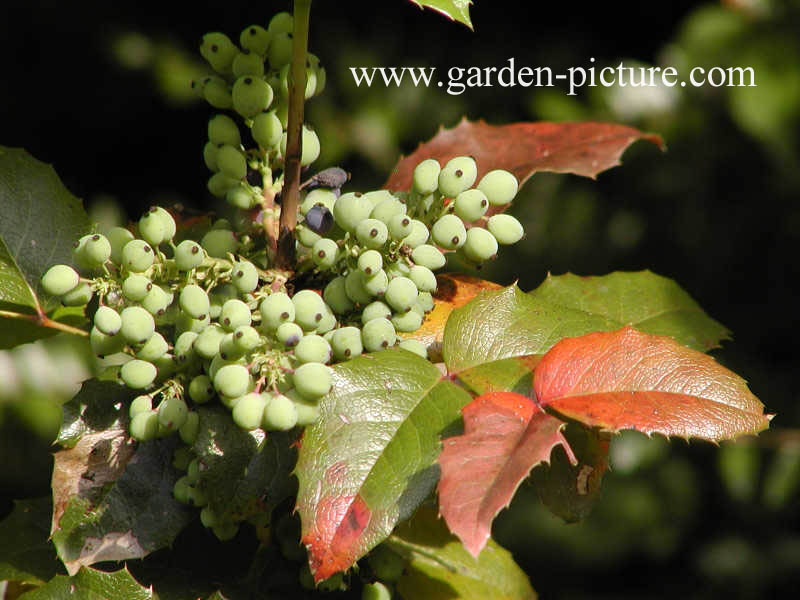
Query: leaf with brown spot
{"x": 585, "y": 149}
{"x": 626, "y": 379}
{"x": 505, "y": 436}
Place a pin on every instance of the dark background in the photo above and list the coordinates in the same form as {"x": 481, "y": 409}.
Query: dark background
{"x": 719, "y": 212}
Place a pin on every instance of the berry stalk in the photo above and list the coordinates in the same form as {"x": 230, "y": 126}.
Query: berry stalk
{"x": 294, "y": 143}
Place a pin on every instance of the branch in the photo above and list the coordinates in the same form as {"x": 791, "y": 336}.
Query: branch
{"x": 43, "y": 321}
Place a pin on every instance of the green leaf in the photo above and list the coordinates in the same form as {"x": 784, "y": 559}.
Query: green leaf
{"x": 90, "y": 584}
{"x": 650, "y": 302}
{"x": 370, "y": 460}
{"x": 243, "y": 473}
{"x": 26, "y": 554}
{"x": 41, "y": 220}
{"x": 504, "y": 375}
{"x": 457, "y": 10}
{"x": 112, "y": 498}
{"x": 440, "y": 568}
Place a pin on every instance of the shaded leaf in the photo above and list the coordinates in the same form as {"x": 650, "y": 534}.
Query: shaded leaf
{"x": 649, "y": 302}
{"x": 505, "y": 436}
{"x": 91, "y": 584}
{"x": 626, "y": 379}
{"x": 370, "y": 460}
{"x": 457, "y": 10}
{"x": 504, "y": 375}
{"x": 571, "y": 490}
{"x": 242, "y": 472}
{"x": 26, "y": 554}
{"x": 112, "y": 497}
{"x": 525, "y": 148}
{"x": 440, "y": 568}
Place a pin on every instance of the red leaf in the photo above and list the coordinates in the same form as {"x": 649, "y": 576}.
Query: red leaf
{"x": 525, "y": 148}
{"x": 626, "y": 379}
{"x": 505, "y": 436}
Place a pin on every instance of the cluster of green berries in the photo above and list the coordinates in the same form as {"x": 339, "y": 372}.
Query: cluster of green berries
{"x": 252, "y": 81}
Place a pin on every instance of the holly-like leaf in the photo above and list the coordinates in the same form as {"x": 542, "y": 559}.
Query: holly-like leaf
{"x": 649, "y": 302}
{"x": 439, "y": 567}
{"x": 626, "y": 379}
{"x": 457, "y": 10}
{"x": 370, "y": 460}
{"x": 112, "y": 498}
{"x": 242, "y": 473}
{"x": 505, "y": 436}
{"x": 41, "y": 220}
{"x": 571, "y": 490}
{"x": 525, "y": 148}
{"x": 504, "y": 375}
{"x": 91, "y": 584}
{"x": 26, "y": 554}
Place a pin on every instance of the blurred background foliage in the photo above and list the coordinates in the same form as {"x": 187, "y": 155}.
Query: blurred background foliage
{"x": 102, "y": 91}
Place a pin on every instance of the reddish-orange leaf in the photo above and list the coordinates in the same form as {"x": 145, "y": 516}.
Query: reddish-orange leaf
{"x": 454, "y": 290}
{"x": 626, "y": 379}
{"x": 505, "y": 436}
{"x": 525, "y": 148}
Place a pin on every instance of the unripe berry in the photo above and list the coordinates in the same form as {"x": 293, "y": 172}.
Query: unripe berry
{"x": 280, "y": 413}
{"x": 137, "y": 256}
{"x": 311, "y": 147}
{"x": 118, "y": 237}
{"x": 251, "y": 95}
{"x": 184, "y": 347}
{"x": 201, "y": 389}
{"x": 408, "y": 321}
{"x": 190, "y": 428}
{"x": 267, "y": 130}
{"x": 401, "y": 226}
{"x": 346, "y": 343}
{"x": 207, "y": 343}
{"x": 428, "y": 256}
{"x": 104, "y": 345}
{"x": 157, "y": 300}
{"x": 247, "y": 63}
{"x": 151, "y": 228}
{"x": 324, "y": 253}
{"x": 457, "y": 175}
{"x": 244, "y": 276}
{"x": 423, "y": 278}
{"x": 414, "y": 346}
{"x": 280, "y": 50}
{"x": 307, "y": 410}
{"x": 144, "y": 426}
{"x": 189, "y": 255}
{"x": 505, "y": 228}
{"x": 500, "y": 187}
{"x": 231, "y": 162}
{"x": 375, "y": 310}
{"x": 246, "y": 338}
{"x": 312, "y": 380}
{"x": 401, "y": 294}
{"x": 372, "y": 233}
{"x": 386, "y": 209}
{"x": 223, "y": 130}
{"x": 217, "y": 93}
{"x": 313, "y": 348}
{"x": 60, "y": 279}
{"x": 255, "y": 39}
{"x": 219, "y": 184}
{"x": 351, "y": 209}
{"x": 370, "y": 262}
{"x": 418, "y": 236}
{"x": 172, "y": 413}
{"x": 135, "y": 287}
{"x": 375, "y": 285}
{"x": 289, "y": 334}
{"x": 425, "y": 179}
{"x": 276, "y": 309}
{"x": 138, "y": 374}
{"x": 335, "y": 296}
{"x": 449, "y": 232}
{"x": 235, "y": 313}
{"x": 309, "y": 309}
{"x": 153, "y": 349}
{"x": 95, "y": 251}
{"x": 480, "y": 246}
{"x": 218, "y": 49}
{"x": 219, "y": 243}
{"x": 471, "y": 205}
{"x": 80, "y": 296}
{"x": 378, "y": 334}
{"x": 194, "y": 301}
{"x": 137, "y": 325}
{"x": 354, "y": 287}
{"x": 140, "y": 404}
{"x": 232, "y": 380}
{"x": 249, "y": 411}
{"x": 376, "y": 591}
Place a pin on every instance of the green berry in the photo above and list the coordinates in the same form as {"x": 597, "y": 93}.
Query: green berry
{"x": 351, "y": 209}
{"x": 244, "y": 276}
{"x": 218, "y": 243}
{"x": 408, "y": 321}
{"x": 241, "y": 197}
{"x": 219, "y": 184}
{"x": 137, "y": 325}
{"x": 217, "y": 93}
{"x": 60, "y": 279}
{"x": 401, "y": 226}
{"x": 480, "y": 246}
{"x": 210, "y": 156}
{"x": 151, "y": 228}
{"x": 398, "y": 269}
{"x": 144, "y": 426}
{"x": 138, "y": 374}
{"x": 370, "y": 262}
{"x": 276, "y": 309}
{"x": 449, "y": 232}
{"x": 401, "y": 294}
{"x": 423, "y": 278}
{"x": 386, "y": 209}
{"x": 267, "y": 130}
{"x": 327, "y": 323}
{"x": 316, "y": 197}
{"x": 335, "y": 296}
{"x": 425, "y": 179}
{"x": 424, "y": 302}
{"x": 235, "y": 313}
{"x": 311, "y": 147}
{"x": 346, "y": 343}
{"x": 415, "y": 346}
{"x": 228, "y": 349}
{"x": 324, "y": 253}
{"x": 232, "y": 380}
{"x": 471, "y": 205}
{"x": 218, "y": 49}
{"x": 184, "y": 347}
{"x": 307, "y": 410}
{"x": 313, "y": 348}
{"x": 418, "y": 236}
{"x": 372, "y": 233}
{"x": 306, "y": 236}
{"x": 153, "y": 349}
{"x": 104, "y": 345}
{"x": 376, "y": 591}
{"x": 140, "y": 404}
{"x": 223, "y": 130}
{"x": 375, "y": 310}
{"x": 201, "y": 389}
{"x": 247, "y": 63}
{"x": 172, "y": 413}
{"x": 280, "y": 413}
{"x": 457, "y": 176}
{"x": 428, "y": 256}
{"x": 95, "y": 251}
{"x": 207, "y": 343}
{"x": 499, "y": 186}
{"x": 251, "y": 95}
{"x": 225, "y": 532}
{"x": 135, "y": 287}
{"x": 190, "y": 428}
{"x": 289, "y": 334}
{"x": 198, "y": 497}
{"x": 194, "y": 301}
{"x": 282, "y": 22}
{"x": 208, "y": 518}
{"x": 309, "y": 309}
{"x": 255, "y": 39}
{"x": 137, "y": 256}
{"x": 378, "y": 334}
{"x": 386, "y": 564}
{"x": 189, "y": 255}
{"x": 231, "y": 162}
{"x": 312, "y": 380}
{"x": 246, "y": 338}
{"x": 354, "y": 287}
{"x": 375, "y": 285}
{"x": 157, "y": 300}
{"x": 249, "y": 411}
{"x": 376, "y": 197}
{"x": 118, "y": 237}
{"x": 170, "y": 227}
{"x": 506, "y": 229}
{"x": 280, "y": 50}
{"x": 80, "y": 296}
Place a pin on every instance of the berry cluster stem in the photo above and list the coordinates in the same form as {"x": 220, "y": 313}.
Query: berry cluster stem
{"x": 294, "y": 142}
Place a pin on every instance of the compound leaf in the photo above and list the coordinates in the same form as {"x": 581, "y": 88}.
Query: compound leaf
{"x": 26, "y": 554}
{"x": 91, "y": 584}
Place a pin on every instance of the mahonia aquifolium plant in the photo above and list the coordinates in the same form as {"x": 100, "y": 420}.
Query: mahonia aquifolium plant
{"x": 208, "y": 320}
